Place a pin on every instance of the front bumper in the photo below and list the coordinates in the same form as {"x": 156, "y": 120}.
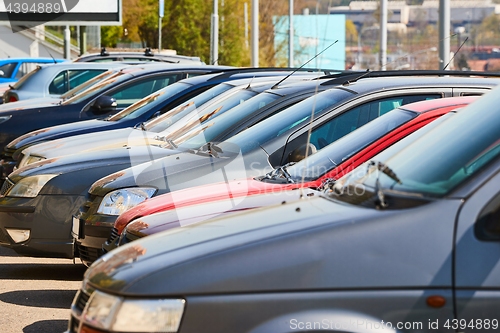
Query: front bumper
{"x": 48, "y": 219}
{"x": 95, "y": 230}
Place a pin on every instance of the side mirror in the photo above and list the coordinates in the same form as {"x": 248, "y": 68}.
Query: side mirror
{"x": 301, "y": 152}
{"x": 104, "y": 104}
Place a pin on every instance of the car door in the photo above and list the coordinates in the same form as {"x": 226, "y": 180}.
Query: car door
{"x": 477, "y": 271}
{"x": 343, "y": 120}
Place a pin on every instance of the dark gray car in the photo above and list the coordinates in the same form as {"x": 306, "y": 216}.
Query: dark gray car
{"x": 409, "y": 243}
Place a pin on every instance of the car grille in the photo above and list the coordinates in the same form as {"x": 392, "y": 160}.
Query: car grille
{"x": 114, "y": 236}
{"x": 88, "y": 254}
{"x": 7, "y": 185}
{"x": 79, "y": 304}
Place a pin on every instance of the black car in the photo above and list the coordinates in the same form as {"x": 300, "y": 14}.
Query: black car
{"x": 147, "y": 55}
{"x": 141, "y": 111}
{"x": 123, "y": 89}
{"x": 63, "y": 181}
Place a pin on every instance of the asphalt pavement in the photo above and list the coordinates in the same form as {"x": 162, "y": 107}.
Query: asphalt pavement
{"x": 36, "y": 293}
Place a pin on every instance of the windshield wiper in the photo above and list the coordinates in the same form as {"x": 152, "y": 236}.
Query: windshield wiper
{"x": 386, "y": 170}
{"x": 280, "y": 172}
{"x": 208, "y": 149}
{"x": 381, "y": 203}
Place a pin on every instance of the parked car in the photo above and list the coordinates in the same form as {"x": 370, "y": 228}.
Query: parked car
{"x": 12, "y": 69}
{"x": 54, "y": 80}
{"x": 72, "y": 175}
{"x": 186, "y": 91}
{"x": 196, "y": 204}
{"x": 101, "y": 100}
{"x": 175, "y": 125}
{"x": 415, "y": 251}
{"x": 89, "y": 167}
{"x": 147, "y": 55}
{"x": 279, "y": 140}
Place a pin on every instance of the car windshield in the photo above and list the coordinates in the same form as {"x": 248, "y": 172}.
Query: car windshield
{"x": 337, "y": 152}
{"x": 283, "y": 123}
{"x": 97, "y": 88}
{"x": 194, "y": 122}
{"x": 446, "y": 156}
{"x": 152, "y": 101}
{"x": 78, "y": 89}
{"x": 198, "y": 137}
{"x": 168, "y": 118}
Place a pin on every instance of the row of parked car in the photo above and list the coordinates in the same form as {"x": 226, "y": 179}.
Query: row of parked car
{"x": 273, "y": 199}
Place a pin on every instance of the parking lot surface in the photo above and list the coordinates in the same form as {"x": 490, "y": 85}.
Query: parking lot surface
{"x": 36, "y": 293}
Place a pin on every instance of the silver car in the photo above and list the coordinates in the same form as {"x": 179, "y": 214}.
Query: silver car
{"x": 409, "y": 242}
{"x": 56, "y": 79}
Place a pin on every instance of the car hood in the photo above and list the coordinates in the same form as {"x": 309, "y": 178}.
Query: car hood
{"x": 202, "y": 211}
{"x": 55, "y": 132}
{"x": 93, "y": 142}
{"x": 310, "y": 244}
{"x": 185, "y": 170}
{"x": 235, "y": 191}
{"x": 34, "y": 103}
{"x": 80, "y": 161}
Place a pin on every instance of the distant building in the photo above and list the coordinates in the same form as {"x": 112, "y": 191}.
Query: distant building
{"x": 461, "y": 12}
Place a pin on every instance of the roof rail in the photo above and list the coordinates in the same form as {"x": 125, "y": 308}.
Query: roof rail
{"x": 229, "y": 72}
{"x": 347, "y": 78}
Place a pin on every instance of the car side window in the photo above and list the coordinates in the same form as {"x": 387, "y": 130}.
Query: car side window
{"x": 77, "y": 77}
{"x": 131, "y": 93}
{"x": 487, "y": 226}
{"x": 7, "y": 69}
{"x": 58, "y": 84}
{"x": 356, "y": 117}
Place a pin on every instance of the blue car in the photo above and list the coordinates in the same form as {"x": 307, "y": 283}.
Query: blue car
{"x": 12, "y": 69}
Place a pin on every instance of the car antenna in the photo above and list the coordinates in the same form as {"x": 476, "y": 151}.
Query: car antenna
{"x": 250, "y": 83}
{"x": 409, "y": 54}
{"x": 286, "y": 77}
{"x": 50, "y": 54}
{"x": 449, "y": 62}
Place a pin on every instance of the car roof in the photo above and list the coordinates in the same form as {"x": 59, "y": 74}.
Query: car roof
{"x": 29, "y": 59}
{"x": 146, "y": 54}
{"x": 438, "y": 103}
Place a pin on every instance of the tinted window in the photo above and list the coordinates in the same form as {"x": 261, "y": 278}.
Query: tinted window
{"x": 293, "y": 118}
{"x": 7, "y": 69}
{"x": 211, "y": 130}
{"x": 337, "y": 152}
{"x": 151, "y": 101}
{"x": 135, "y": 91}
{"x": 357, "y": 117}
{"x": 447, "y": 155}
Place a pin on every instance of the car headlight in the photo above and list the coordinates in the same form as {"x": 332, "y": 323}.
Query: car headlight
{"x": 30, "y": 159}
{"x": 29, "y": 187}
{"x": 133, "y": 315}
{"x": 116, "y": 202}
{"x": 3, "y": 119}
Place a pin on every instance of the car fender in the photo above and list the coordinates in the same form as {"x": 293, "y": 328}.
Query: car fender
{"x": 330, "y": 320}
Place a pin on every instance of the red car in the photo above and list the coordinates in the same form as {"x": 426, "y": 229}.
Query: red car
{"x": 332, "y": 162}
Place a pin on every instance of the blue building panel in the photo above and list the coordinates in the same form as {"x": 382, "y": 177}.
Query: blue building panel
{"x": 312, "y": 34}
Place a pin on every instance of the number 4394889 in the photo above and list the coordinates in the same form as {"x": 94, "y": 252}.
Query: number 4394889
{"x": 480, "y": 324}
